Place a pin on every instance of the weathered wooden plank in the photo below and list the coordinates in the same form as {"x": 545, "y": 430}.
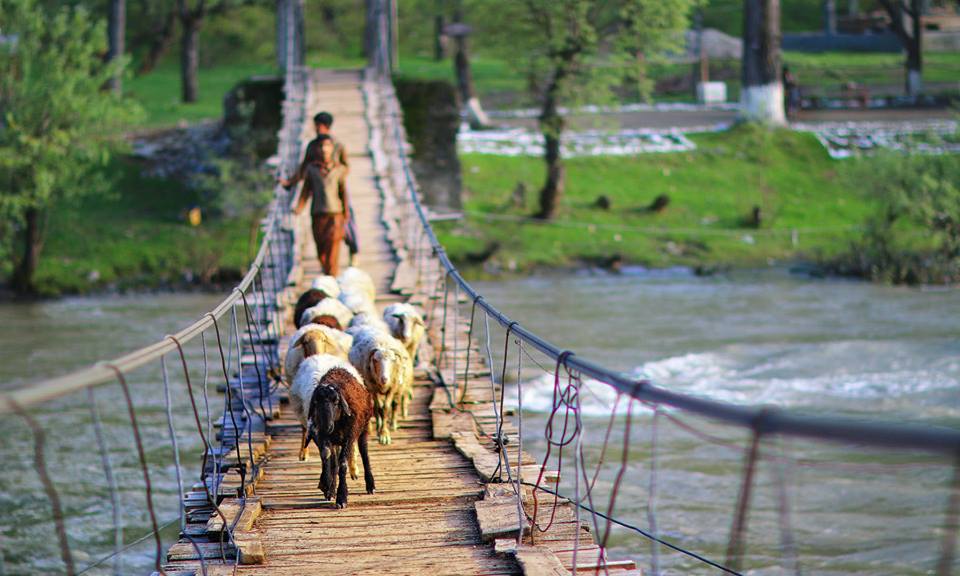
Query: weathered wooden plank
{"x": 498, "y": 518}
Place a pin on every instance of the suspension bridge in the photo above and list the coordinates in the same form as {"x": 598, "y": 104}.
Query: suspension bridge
{"x": 457, "y": 493}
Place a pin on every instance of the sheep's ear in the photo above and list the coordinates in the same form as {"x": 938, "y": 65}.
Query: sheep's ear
{"x": 344, "y": 406}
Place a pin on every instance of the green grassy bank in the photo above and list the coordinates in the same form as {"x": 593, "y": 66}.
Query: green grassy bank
{"x": 808, "y": 209}
{"x": 138, "y": 237}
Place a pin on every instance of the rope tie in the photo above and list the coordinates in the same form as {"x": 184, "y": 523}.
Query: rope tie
{"x": 148, "y": 487}
{"x": 652, "y": 493}
{"x": 253, "y": 348}
{"x": 736, "y": 545}
{"x": 111, "y": 483}
{"x": 228, "y": 404}
{"x": 951, "y": 524}
{"x": 248, "y": 427}
{"x": 176, "y": 462}
{"x": 40, "y": 463}
{"x": 207, "y": 448}
{"x": 466, "y": 368}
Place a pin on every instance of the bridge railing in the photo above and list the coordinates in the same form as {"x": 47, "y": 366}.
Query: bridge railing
{"x": 162, "y": 424}
{"x": 426, "y": 260}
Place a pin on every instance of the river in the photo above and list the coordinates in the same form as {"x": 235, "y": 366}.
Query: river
{"x": 822, "y": 346}
{"x": 45, "y": 339}
{"x": 763, "y": 337}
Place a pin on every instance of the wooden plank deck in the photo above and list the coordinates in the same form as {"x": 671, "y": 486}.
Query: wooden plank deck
{"x": 423, "y": 518}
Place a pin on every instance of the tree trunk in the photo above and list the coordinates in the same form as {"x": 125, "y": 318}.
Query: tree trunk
{"x": 438, "y": 52}
{"x": 32, "y": 246}
{"x": 116, "y": 35}
{"x": 915, "y": 51}
{"x": 911, "y": 39}
{"x": 830, "y": 17}
{"x": 552, "y": 125}
{"x": 461, "y": 62}
{"x": 190, "y": 58}
{"x": 160, "y": 44}
{"x": 761, "y": 99}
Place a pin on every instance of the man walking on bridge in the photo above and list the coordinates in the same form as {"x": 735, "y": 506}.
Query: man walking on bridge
{"x": 323, "y": 122}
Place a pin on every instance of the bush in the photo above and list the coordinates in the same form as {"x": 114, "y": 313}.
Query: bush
{"x": 913, "y": 237}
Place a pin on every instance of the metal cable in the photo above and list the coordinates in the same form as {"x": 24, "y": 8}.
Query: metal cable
{"x": 129, "y": 546}
{"x": 111, "y": 483}
{"x": 643, "y": 533}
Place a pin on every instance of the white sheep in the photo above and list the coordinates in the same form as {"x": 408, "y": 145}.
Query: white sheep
{"x": 326, "y": 284}
{"x": 328, "y": 307}
{"x": 356, "y": 281}
{"x": 388, "y": 374}
{"x": 406, "y": 325}
{"x": 326, "y": 340}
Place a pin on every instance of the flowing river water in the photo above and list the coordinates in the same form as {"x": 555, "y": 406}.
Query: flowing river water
{"x": 769, "y": 337}
{"x": 764, "y": 337}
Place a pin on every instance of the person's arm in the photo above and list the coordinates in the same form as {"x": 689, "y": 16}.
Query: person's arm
{"x": 301, "y": 200}
{"x": 301, "y": 170}
{"x": 344, "y": 199}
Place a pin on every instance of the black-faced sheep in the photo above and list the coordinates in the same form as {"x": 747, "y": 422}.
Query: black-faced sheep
{"x": 406, "y": 325}
{"x": 338, "y": 410}
{"x": 388, "y": 374}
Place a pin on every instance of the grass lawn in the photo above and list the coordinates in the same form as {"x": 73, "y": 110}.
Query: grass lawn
{"x": 138, "y": 237}
{"x": 712, "y": 191}
{"x": 159, "y": 92}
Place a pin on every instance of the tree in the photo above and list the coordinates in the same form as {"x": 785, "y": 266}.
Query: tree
{"x": 116, "y": 33}
{"x": 461, "y": 66}
{"x": 576, "y": 51}
{"x": 160, "y": 32}
{"x": 761, "y": 99}
{"x": 192, "y": 16}
{"x": 905, "y": 22}
{"x": 55, "y": 115}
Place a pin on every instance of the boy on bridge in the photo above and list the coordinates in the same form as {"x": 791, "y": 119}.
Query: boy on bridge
{"x": 333, "y": 221}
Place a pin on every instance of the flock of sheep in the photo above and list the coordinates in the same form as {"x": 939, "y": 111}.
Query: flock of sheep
{"x": 345, "y": 364}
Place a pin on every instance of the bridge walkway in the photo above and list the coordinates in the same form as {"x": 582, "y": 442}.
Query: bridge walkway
{"x": 424, "y": 517}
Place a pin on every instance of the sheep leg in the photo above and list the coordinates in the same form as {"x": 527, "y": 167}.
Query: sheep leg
{"x": 304, "y": 443}
{"x": 388, "y": 412}
{"x": 354, "y": 464}
{"x": 365, "y": 457}
{"x": 341, "y": 464}
{"x": 378, "y": 413}
{"x": 326, "y": 470}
